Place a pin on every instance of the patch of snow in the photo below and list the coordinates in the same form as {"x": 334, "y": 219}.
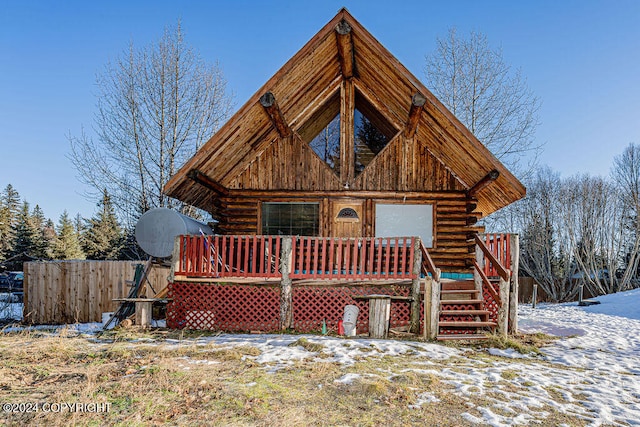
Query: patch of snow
{"x": 424, "y": 398}
{"x": 348, "y": 379}
{"x": 509, "y": 353}
{"x": 10, "y": 310}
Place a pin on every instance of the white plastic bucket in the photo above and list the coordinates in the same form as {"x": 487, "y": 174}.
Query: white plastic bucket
{"x": 350, "y": 320}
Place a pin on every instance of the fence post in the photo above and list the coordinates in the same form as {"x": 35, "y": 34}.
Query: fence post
{"x": 414, "y": 320}
{"x": 286, "y": 298}
{"x": 514, "y": 285}
{"x": 580, "y": 293}
{"x": 534, "y": 296}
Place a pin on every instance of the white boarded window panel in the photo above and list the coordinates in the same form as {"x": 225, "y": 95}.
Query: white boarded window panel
{"x": 399, "y": 220}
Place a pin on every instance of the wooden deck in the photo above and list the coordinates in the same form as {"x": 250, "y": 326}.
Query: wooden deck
{"x": 453, "y": 308}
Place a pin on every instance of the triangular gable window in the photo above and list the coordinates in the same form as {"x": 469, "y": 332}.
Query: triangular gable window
{"x": 371, "y": 133}
{"x": 322, "y": 132}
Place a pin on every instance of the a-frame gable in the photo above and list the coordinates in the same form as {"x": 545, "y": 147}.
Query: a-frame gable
{"x": 431, "y": 151}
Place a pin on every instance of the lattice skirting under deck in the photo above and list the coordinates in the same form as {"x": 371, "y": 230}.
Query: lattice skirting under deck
{"x": 242, "y": 307}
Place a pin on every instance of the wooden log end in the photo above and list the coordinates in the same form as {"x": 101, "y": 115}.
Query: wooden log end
{"x": 418, "y": 99}
{"x": 343, "y": 28}
{"x": 267, "y": 100}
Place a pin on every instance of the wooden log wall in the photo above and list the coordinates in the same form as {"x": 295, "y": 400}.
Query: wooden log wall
{"x": 453, "y": 245}
{"x": 57, "y": 292}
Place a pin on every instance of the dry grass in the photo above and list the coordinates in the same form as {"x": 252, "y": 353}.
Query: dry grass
{"x": 522, "y": 343}
{"x": 147, "y": 380}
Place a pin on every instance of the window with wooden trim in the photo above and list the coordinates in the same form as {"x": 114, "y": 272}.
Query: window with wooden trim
{"x": 290, "y": 219}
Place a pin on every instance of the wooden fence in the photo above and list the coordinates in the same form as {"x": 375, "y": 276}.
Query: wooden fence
{"x": 58, "y": 292}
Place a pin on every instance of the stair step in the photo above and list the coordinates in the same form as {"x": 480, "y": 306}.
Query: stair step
{"x": 463, "y": 312}
{"x": 458, "y": 284}
{"x": 461, "y": 301}
{"x": 470, "y": 324}
{"x": 461, "y": 337}
{"x": 459, "y": 291}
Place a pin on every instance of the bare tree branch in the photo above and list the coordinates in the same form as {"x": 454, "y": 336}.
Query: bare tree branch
{"x": 155, "y": 107}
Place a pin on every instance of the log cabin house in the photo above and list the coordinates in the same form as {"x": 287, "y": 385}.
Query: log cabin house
{"x": 312, "y": 181}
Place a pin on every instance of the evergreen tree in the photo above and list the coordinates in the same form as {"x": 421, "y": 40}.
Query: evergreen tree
{"x": 79, "y": 223}
{"x": 49, "y": 232}
{"x": 67, "y": 243}
{"x": 25, "y": 235}
{"x": 42, "y": 242}
{"x": 9, "y": 210}
{"x": 103, "y": 238}
{"x": 130, "y": 248}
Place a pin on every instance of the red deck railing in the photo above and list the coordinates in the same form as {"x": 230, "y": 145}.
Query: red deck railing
{"x": 324, "y": 258}
{"x": 499, "y": 245}
{"x": 229, "y": 256}
{"x": 353, "y": 258}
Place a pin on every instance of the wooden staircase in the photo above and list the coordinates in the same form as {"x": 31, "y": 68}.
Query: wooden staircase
{"x": 462, "y": 314}
{"x": 457, "y": 309}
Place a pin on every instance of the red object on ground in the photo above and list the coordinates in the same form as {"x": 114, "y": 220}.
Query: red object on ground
{"x": 340, "y": 327}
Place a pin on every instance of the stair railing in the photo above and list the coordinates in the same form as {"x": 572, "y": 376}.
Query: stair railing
{"x": 503, "y": 272}
{"x": 431, "y": 295}
{"x": 487, "y": 283}
{"x": 502, "y": 297}
{"x": 428, "y": 266}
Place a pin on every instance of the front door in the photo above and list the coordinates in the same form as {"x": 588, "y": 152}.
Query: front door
{"x": 346, "y": 217}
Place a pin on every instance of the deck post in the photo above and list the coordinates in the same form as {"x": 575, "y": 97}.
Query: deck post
{"x": 514, "y": 285}
{"x": 477, "y": 279}
{"x": 434, "y": 310}
{"x": 175, "y": 258}
{"x": 503, "y": 310}
{"x": 286, "y": 298}
{"x": 414, "y": 320}
{"x": 426, "y": 303}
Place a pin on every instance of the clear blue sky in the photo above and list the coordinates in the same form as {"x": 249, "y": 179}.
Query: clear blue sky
{"x": 582, "y": 58}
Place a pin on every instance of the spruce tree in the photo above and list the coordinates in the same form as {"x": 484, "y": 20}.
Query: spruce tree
{"x": 67, "y": 243}
{"x": 49, "y": 232}
{"x": 25, "y": 235}
{"x": 103, "y": 238}
{"x": 9, "y": 210}
{"x": 42, "y": 242}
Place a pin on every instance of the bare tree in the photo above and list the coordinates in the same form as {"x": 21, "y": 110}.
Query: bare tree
{"x": 626, "y": 176}
{"x": 545, "y": 250}
{"x": 155, "y": 107}
{"x": 487, "y": 95}
{"x": 592, "y": 212}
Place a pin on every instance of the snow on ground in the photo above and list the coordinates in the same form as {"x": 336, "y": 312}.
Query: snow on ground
{"x": 592, "y": 374}
{"x": 10, "y": 309}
